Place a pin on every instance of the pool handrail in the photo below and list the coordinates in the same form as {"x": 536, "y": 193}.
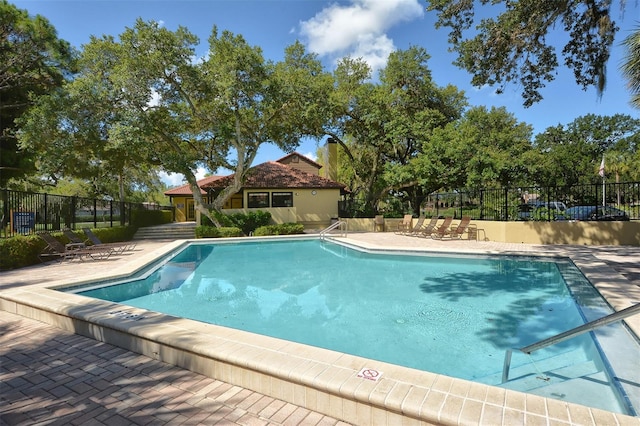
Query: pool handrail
{"x": 340, "y": 225}
{"x": 592, "y": 325}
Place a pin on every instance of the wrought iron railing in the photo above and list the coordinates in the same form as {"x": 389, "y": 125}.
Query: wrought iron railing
{"x": 27, "y": 212}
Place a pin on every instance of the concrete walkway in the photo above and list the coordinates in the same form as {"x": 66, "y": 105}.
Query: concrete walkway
{"x": 50, "y": 376}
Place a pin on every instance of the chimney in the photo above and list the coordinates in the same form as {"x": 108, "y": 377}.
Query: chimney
{"x": 331, "y": 166}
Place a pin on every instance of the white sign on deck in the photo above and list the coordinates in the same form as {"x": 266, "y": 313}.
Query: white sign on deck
{"x": 370, "y": 374}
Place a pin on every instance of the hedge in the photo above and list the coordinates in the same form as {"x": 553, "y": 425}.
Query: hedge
{"x": 281, "y": 229}
{"x": 204, "y": 231}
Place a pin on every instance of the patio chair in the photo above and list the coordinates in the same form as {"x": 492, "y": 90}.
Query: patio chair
{"x": 419, "y": 224}
{"x": 426, "y": 231}
{"x": 378, "y": 223}
{"x": 74, "y": 240}
{"x": 55, "y": 249}
{"x": 405, "y": 225}
{"x": 455, "y": 232}
{"x": 119, "y": 248}
{"x": 443, "y": 229}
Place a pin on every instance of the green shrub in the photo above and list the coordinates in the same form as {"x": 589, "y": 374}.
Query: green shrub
{"x": 281, "y": 229}
{"x": 250, "y": 221}
{"x": 142, "y": 218}
{"x": 115, "y": 234}
{"x": 246, "y": 222}
{"x": 204, "y": 231}
{"x": 20, "y": 251}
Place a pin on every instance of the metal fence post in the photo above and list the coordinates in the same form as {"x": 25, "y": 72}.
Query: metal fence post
{"x": 46, "y": 212}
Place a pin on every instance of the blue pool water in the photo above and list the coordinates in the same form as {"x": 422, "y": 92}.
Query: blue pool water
{"x": 449, "y": 315}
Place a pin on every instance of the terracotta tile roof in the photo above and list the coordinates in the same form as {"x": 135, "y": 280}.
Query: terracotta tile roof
{"x": 275, "y": 175}
{"x": 185, "y": 190}
{"x": 300, "y": 156}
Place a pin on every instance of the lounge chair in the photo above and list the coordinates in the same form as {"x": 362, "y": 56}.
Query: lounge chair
{"x": 443, "y": 229}
{"x": 405, "y": 225}
{"x": 74, "y": 241}
{"x": 455, "y": 232}
{"x": 55, "y": 249}
{"x": 419, "y": 224}
{"x": 427, "y": 230}
{"x": 119, "y": 248}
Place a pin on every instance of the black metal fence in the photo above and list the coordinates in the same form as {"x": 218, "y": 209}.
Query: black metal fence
{"x": 538, "y": 203}
{"x": 27, "y": 212}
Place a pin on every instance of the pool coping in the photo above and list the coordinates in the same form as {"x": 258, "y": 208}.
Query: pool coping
{"x": 318, "y": 379}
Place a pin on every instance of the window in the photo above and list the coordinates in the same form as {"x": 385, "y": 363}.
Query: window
{"x": 258, "y": 199}
{"x": 282, "y": 199}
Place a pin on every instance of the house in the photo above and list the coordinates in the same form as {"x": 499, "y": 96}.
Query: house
{"x": 291, "y": 189}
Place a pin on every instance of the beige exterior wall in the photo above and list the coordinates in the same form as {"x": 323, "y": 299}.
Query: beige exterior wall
{"x": 563, "y": 232}
{"x": 180, "y": 204}
{"x": 314, "y": 211}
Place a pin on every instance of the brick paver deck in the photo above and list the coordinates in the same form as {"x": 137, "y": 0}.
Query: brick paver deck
{"x": 52, "y": 377}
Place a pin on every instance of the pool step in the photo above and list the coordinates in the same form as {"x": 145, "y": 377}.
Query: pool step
{"x": 566, "y": 382}
{"x": 169, "y": 231}
{"x": 547, "y": 378}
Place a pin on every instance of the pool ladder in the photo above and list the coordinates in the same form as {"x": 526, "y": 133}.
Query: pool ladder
{"x": 592, "y": 325}
{"x": 339, "y": 225}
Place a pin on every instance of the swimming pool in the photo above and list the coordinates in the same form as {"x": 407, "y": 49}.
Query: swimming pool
{"x": 451, "y": 315}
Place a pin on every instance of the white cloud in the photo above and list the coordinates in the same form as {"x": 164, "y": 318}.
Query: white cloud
{"x": 311, "y": 156}
{"x": 177, "y": 179}
{"x": 358, "y": 29}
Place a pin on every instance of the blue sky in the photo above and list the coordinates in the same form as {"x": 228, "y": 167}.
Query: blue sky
{"x": 361, "y": 28}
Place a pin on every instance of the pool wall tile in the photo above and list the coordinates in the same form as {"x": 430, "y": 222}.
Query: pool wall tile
{"x": 512, "y": 417}
{"x": 379, "y": 393}
{"x": 442, "y": 383}
{"x": 298, "y": 396}
{"x": 460, "y": 388}
{"x": 396, "y": 396}
{"x": 515, "y": 400}
{"x": 477, "y": 391}
{"x": 363, "y": 392}
{"x": 363, "y": 414}
{"x": 471, "y": 409}
{"x": 433, "y": 404}
{"x": 536, "y": 404}
{"x": 580, "y": 414}
{"x": 534, "y": 420}
{"x": 412, "y": 403}
{"x": 496, "y": 396}
{"x": 491, "y": 414}
{"x": 451, "y": 410}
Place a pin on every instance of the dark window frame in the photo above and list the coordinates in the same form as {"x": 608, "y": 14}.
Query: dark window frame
{"x": 282, "y": 193}
{"x": 253, "y": 205}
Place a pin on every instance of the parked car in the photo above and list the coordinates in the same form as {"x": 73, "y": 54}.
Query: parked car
{"x": 540, "y": 210}
{"x": 595, "y": 213}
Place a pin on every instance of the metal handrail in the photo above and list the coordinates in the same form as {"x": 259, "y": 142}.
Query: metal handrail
{"x": 592, "y": 325}
{"x": 333, "y": 226}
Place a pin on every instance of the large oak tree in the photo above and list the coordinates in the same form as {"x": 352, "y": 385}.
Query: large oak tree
{"x": 517, "y": 46}
{"x": 33, "y": 61}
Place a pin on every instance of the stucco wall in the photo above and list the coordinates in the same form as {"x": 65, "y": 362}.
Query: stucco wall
{"x": 180, "y": 204}
{"x": 314, "y": 211}
{"x": 562, "y": 232}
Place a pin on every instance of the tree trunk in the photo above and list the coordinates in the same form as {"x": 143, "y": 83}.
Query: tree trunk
{"x": 198, "y": 202}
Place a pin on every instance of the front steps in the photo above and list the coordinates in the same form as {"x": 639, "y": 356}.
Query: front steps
{"x": 169, "y": 231}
